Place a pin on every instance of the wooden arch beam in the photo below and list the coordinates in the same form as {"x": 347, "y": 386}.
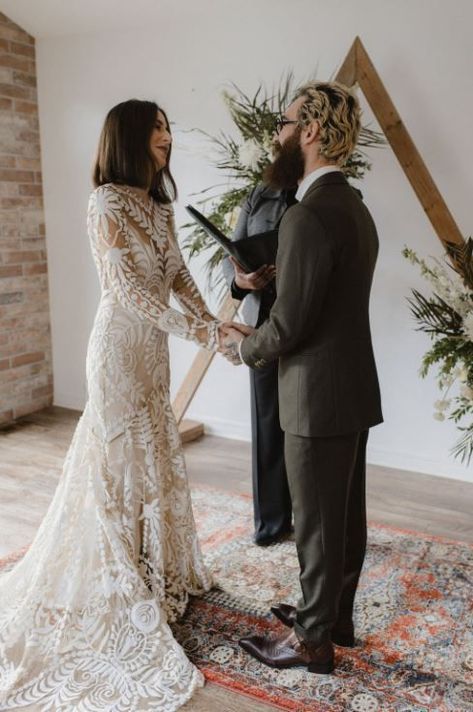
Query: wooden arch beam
{"x": 357, "y": 68}
{"x": 402, "y": 144}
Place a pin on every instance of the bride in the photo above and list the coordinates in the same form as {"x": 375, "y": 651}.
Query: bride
{"x": 84, "y": 615}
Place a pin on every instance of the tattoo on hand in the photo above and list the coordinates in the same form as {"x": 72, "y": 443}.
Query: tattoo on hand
{"x": 231, "y": 352}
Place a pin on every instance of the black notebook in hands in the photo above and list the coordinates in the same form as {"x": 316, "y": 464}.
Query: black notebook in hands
{"x": 251, "y": 252}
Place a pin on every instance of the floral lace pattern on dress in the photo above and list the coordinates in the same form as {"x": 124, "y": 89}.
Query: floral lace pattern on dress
{"x": 84, "y": 615}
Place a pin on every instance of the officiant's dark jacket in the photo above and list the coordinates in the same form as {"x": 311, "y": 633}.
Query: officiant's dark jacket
{"x": 261, "y": 211}
{"x": 319, "y": 324}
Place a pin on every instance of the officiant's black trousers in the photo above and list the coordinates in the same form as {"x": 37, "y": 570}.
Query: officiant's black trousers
{"x": 271, "y": 498}
{"x": 327, "y": 484}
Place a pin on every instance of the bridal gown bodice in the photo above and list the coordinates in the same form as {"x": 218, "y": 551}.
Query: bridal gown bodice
{"x": 139, "y": 264}
{"x": 84, "y": 615}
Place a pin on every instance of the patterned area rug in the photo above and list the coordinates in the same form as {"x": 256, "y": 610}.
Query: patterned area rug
{"x": 413, "y": 619}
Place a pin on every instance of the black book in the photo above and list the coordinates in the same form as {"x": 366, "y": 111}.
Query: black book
{"x": 251, "y": 252}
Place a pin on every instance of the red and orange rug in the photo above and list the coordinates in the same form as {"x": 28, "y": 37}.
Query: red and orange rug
{"x": 414, "y": 620}
{"x": 413, "y": 617}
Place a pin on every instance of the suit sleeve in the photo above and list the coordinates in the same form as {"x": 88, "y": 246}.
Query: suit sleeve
{"x": 304, "y": 265}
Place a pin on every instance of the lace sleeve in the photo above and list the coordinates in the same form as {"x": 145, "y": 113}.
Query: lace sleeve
{"x": 108, "y": 222}
{"x": 184, "y": 287}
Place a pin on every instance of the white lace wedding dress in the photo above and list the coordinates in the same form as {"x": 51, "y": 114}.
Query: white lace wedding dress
{"x": 84, "y": 615}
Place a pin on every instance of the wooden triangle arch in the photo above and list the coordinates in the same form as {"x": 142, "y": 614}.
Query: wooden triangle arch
{"x": 357, "y": 68}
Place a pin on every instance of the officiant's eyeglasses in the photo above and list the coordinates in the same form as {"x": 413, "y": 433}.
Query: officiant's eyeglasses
{"x": 281, "y": 122}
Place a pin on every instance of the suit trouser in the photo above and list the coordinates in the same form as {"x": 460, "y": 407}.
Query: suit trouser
{"x": 327, "y": 484}
{"x": 271, "y": 498}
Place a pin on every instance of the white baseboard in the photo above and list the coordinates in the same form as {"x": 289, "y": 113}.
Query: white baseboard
{"x": 236, "y": 430}
{"x": 69, "y": 400}
{"x": 233, "y": 429}
{"x": 449, "y": 468}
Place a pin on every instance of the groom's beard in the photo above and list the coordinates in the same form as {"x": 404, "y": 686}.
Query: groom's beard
{"x": 288, "y": 167}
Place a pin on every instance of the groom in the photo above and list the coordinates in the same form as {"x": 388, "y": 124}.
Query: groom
{"x": 329, "y": 396}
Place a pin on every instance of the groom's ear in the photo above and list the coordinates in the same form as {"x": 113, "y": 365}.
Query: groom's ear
{"x": 310, "y": 133}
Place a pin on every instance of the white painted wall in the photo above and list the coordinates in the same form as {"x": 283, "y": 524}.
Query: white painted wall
{"x": 182, "y": 55}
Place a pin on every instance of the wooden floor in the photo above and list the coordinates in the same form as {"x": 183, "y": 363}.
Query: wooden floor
{"x": 31, "y": 456}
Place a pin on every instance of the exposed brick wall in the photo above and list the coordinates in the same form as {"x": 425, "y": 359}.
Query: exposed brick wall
{"x": 25, "y": 343}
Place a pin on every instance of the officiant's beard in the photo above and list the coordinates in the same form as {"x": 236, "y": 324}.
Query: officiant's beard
{"x": 287, "y": 168}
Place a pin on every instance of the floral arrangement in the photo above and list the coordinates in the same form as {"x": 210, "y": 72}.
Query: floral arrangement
{"x": 447, "y": 316}
{"x": 242, "y": 162}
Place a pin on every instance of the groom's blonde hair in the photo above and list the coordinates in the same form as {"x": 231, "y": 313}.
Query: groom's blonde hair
{"x": 337, "y": 111}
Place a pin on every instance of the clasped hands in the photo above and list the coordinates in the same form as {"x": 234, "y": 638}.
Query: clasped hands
{"x": 230, "y": 334}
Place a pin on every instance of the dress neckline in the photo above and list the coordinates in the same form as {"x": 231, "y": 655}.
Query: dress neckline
{"x": 150, "y": 207}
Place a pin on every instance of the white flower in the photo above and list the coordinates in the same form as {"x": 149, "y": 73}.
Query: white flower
{"x": 145, "y": 616}
{"x": 460, "y": 305}
{"x": 461, "y": 373}
{"x": 231, "y": 218}
{"x": 268, "y": 146}
{"x": 250, "y": 154}
{"x": 442, "y": 404}
{"x": 466, "y": 392}
{"x": 468, "y": 326}
{"x": 439, "y": 416}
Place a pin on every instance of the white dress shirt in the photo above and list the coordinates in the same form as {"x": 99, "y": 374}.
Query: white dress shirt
{"x": 305, "y": 184}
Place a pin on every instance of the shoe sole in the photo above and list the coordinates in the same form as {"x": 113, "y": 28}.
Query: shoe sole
{"x": 276, "y": 540}
{"x": 321, "y": 668}
{"x": 316, "y": 668}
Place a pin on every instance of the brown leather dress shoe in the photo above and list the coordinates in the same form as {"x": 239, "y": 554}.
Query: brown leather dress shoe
{"x": 286, "y": 651}
{"x": 285, "y": 613}
{"x": 342, "y": 635}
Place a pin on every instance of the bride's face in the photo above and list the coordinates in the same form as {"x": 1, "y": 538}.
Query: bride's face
{"x": 160, "y": 141}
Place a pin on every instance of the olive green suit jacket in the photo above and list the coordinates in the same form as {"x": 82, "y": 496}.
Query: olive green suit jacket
{"x": 319, "y": 326}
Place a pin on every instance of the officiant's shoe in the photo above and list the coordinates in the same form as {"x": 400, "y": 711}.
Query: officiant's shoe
{"x": 273, "y": 539}
{"x": 286, "y": 651}
{"x": 342, "y": 635}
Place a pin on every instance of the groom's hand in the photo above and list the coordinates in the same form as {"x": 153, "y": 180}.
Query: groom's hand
{"x": 229, "y": 341}
{"x": 242, "y": 328}
{"x": 253, "y": 280}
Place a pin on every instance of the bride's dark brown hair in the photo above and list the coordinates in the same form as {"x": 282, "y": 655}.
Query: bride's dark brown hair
{"x": 124, "y": 156}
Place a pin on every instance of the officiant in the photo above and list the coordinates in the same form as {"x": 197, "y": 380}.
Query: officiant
{"x": 262, "y": 211}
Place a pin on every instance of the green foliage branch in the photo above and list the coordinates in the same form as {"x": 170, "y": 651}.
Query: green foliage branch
{"x": 446, "y": 315}
{"x": 242, "y": 161}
